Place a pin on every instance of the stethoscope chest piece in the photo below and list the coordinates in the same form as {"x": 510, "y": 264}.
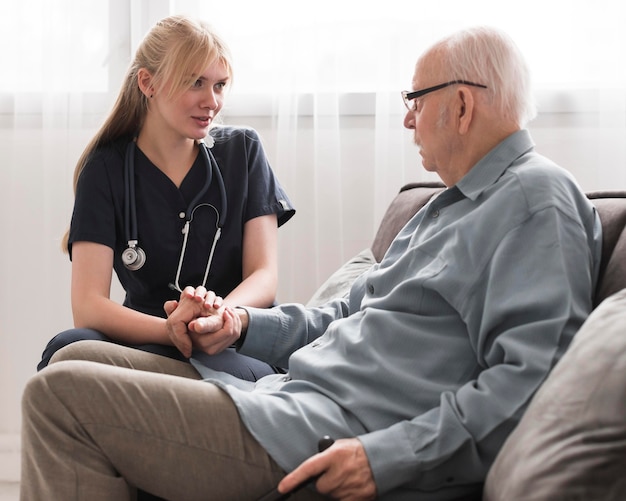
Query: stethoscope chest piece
{"x": 133, "y": 256}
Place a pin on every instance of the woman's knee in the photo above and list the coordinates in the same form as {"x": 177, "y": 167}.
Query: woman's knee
{"x": 67, "y": 338}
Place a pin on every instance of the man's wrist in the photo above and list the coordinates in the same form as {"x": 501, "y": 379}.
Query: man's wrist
{"x": 243, "y": 317}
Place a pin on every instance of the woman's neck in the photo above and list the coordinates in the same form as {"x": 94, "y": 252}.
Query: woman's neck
{"x": 173, "y": 157}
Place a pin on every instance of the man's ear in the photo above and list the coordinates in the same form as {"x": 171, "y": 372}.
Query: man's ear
{"x": 465, "y": 109}
{"x": 144, "y": 81}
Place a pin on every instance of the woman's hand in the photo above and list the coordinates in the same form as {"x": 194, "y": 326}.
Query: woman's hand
{"x": 193, "y": 303}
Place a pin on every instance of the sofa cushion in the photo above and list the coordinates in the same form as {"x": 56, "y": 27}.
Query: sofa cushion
{"x": 571, "y": 442}
{"x": 339, "y": 283}
{"x": 611, "y": 206}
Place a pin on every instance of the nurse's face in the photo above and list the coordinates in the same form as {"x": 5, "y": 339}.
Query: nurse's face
{"x": 191, "y": 114}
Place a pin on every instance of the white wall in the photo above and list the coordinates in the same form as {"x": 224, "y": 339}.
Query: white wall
{"x": 34, "y": 286}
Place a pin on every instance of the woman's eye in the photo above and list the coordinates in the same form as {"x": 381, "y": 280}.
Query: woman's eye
{"x": 198, "y": 83}
{"x": 220, "y": 85}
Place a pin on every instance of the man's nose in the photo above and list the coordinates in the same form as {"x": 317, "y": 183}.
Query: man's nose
{"x": 409, "y": 120}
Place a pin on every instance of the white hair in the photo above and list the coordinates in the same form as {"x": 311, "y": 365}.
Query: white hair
{"x": 490, "y": 57}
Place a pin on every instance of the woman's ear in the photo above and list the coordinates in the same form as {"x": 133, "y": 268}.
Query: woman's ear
{"x": 465, "y": 109}
{"x": 144, "y": 81}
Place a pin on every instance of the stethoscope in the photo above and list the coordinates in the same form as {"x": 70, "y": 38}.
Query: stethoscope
{"x": 134, "y": 257}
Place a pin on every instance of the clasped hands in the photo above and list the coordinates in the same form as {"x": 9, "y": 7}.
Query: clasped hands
{"x": 201, "y": 320}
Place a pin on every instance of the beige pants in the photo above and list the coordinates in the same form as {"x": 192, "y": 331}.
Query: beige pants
{"x": 98, "y": 431}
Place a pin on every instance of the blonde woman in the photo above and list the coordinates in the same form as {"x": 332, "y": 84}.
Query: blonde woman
{"x": 167, "y": 199}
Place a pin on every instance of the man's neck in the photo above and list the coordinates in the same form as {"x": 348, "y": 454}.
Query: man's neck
{"x": 474, "y": 149}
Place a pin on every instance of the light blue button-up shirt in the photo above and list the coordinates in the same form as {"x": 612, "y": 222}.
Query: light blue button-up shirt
{"x": 438, "y": 349}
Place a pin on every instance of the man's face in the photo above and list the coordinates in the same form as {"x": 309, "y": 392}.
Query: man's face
{"x": 430, "y": 120}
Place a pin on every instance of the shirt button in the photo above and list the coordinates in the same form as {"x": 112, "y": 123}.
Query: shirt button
{"x": 181, "y": 215}
{"x": 370, "y": 289}
{"x": 436, "y": 213}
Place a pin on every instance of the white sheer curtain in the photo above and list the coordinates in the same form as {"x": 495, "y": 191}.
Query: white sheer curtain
{"x": 59, "y": 60}
{"x": 319, "y": 80}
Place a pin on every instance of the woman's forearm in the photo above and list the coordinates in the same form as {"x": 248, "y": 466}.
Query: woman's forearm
{"x": 119, "y": 322}
{"x": 258, "y": 290}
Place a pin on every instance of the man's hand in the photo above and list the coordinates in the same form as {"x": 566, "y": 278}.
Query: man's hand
{"x": 214, "y": 333}
{"x": 345, "y": 472}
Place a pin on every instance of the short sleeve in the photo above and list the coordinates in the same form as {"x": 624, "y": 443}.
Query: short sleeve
{"x": 93, "y": 217}
{"x": 265, "y": 194}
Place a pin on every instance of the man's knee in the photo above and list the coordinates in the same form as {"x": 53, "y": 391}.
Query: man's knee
{"x": 40, "y": 386}
{"x": 80, "y": 350}
{"x": 35, "y": 387}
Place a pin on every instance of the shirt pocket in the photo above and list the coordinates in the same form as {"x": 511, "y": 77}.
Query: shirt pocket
{"x": 410, "y": 285}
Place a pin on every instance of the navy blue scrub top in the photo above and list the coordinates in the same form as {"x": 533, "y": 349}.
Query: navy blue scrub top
{"x": 252, "y": 190}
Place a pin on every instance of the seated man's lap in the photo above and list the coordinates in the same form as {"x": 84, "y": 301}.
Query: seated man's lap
{"x": 186, "y": 433}
{"x": 122, "y": 356}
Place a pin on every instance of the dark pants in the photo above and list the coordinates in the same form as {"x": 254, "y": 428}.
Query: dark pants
{"x": 229, "y": 361}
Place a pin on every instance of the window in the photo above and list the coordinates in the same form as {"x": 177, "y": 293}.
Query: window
{"x": 350, "y": 47}
{"x": 60, "y": 46}
{"x": 353, "y": 45}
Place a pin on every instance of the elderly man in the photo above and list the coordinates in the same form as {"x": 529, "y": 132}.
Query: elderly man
{"x": 418, "y": 375}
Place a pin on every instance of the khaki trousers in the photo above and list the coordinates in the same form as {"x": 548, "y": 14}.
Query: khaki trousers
{"x": 103, "y": 420}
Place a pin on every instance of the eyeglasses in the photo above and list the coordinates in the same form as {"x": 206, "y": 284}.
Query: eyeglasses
{"x": 410, "y": 97}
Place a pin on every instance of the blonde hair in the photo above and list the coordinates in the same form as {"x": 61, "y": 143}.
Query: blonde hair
{"x": 175, "y": 52}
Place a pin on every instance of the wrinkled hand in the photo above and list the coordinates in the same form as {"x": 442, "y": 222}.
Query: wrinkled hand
{"x": 345, "y": 472}
{"x": 193, "y": 304}
{"x": 214, "y": 333}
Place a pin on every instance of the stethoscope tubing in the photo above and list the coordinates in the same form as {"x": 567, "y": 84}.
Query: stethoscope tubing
{"x": 130, "y": 208}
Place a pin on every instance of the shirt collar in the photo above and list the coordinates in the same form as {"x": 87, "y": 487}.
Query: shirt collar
{"x": 489, "y": 169}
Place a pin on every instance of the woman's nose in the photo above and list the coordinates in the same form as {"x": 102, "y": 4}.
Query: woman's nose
{"x": 211, "y": 100}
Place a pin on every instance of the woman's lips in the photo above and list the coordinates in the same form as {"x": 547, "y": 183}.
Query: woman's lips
{"x": 203, "y": 121}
